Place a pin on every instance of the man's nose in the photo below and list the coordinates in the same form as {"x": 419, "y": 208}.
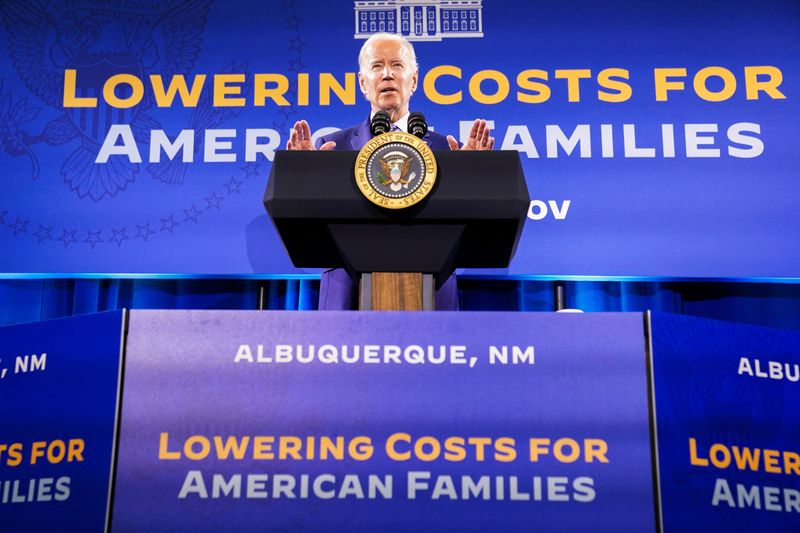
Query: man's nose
{"x": 387, "y": 72}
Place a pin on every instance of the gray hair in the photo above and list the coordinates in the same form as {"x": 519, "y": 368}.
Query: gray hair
{"x": 366, "y": 50}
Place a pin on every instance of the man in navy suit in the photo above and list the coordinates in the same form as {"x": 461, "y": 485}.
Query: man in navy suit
{"x": 387, "y": 76}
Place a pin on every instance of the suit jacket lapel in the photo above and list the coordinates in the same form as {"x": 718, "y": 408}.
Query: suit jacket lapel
{"x": 361, "y": 136}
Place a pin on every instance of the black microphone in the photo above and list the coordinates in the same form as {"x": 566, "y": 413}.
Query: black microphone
{"x": 417, "y": 124}
{"x": 380, "y": 123}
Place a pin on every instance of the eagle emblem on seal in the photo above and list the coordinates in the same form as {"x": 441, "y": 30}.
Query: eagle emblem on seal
{"x": 394, "y": 171}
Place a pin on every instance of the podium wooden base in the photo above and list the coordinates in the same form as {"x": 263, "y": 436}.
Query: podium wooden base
{"x": 396, "y": 291}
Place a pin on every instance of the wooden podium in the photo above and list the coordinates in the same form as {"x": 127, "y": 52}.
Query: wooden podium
{"x": 396, "y": 291}
{"x": 473, "y": 218}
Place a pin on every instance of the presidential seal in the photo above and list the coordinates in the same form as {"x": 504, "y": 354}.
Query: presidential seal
{"x": 395, "y": 170}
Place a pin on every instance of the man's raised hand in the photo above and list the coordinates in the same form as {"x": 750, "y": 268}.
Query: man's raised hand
{"x": 300, "y": 139}
{"x": 479, "y": 138}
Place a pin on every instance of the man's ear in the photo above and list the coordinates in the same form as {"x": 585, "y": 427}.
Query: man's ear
{"x": 414, "y": 79}
{"x": 362, "y": 84}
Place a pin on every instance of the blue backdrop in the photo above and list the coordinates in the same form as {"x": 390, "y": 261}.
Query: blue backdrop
{"x": 61, "y": 376}
{"x": 659, "y": 132}
{"x": 63, "y": 215}
{"x": 716, "y": 387}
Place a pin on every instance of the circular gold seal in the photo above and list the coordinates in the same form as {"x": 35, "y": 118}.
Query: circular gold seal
{"x": 395, "y": 170}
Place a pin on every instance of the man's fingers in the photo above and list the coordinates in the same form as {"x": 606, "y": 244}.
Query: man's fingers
{"x": 485, "y": 135}
{"x": 491, "y": 143}
{"x": 452, "y": 142}
{"x": 481, "y": 131}
{"x": 473, "y": 133}
{"x": 297, "y": 132}
{"x": 330, "y": 145}
{"x": 305, "y": 130}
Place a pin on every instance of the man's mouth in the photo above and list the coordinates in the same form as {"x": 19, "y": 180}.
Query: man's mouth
{"x": 388, "y": 89}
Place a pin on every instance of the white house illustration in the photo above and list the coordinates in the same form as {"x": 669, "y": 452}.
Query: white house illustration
{"x": 419, "y": 20}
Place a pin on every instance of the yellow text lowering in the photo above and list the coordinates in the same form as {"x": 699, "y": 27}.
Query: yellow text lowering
{"x": 723, "y": 456}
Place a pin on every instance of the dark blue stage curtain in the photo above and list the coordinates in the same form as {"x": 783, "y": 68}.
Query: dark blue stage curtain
{"x": 766, "y": 304}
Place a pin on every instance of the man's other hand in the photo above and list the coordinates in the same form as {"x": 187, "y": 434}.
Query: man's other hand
{"x": 479, "y": 138}
{"x": 300, "y": 139}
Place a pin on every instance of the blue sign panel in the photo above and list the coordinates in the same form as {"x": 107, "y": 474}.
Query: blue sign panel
{"x": 253, "y": 421}
{"x": 137, "y": 136}
{"x": 58, "y": 389}
{"x": 727, "y": 414}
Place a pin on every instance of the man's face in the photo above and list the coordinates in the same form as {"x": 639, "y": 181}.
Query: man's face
{"x": 388, "y": 80}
